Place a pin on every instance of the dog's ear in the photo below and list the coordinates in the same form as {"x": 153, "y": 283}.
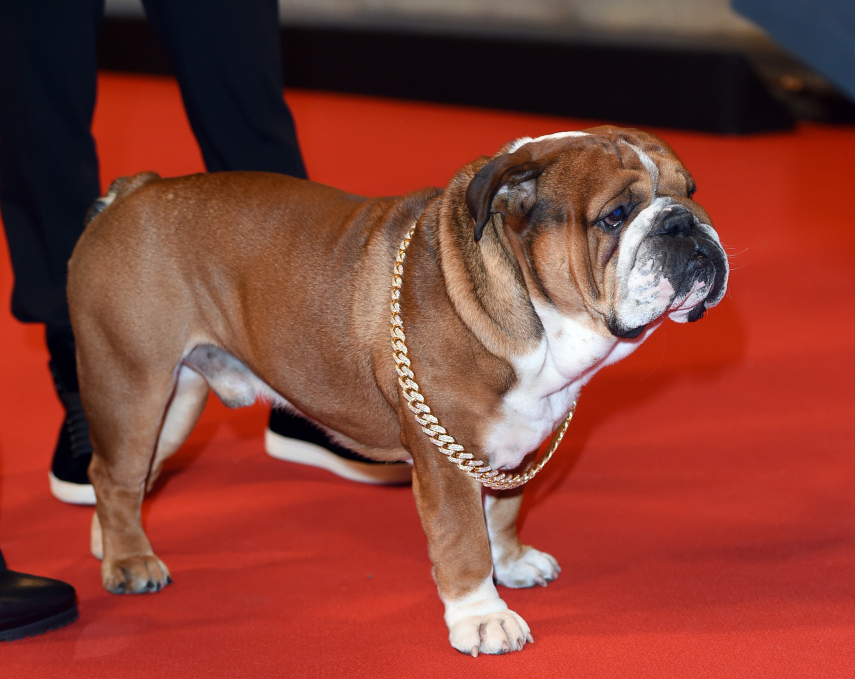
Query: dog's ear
{"x": 509, "y": 173}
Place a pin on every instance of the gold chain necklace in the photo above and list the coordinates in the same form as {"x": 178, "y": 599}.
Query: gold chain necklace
{"x": 453, "y": 451}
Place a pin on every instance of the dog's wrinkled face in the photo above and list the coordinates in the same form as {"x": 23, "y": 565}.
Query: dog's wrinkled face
{"x": 605, "y": 223}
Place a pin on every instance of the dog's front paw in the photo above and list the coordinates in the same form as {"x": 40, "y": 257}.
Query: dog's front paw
{"x": 482, "y": 623}
{"x": 531, "y": 568}
{"x": 497, "y": 633}
{"x": 135, "y": 575}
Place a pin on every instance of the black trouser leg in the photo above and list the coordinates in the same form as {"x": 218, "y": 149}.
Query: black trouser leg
{"x": 226, "y": 57}
{"x": 48, "y": 165}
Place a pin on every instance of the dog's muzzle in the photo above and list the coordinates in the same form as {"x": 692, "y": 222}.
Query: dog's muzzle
{"x": 679, "y": 268}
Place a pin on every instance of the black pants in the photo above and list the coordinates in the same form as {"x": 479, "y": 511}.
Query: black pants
{"x": 226, "y": 57}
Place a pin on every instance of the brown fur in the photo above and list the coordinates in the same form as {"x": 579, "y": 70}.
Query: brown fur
{"x": 292, "y": 278}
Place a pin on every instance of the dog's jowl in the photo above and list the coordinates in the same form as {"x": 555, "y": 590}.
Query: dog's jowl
{"x": 504, "y": 293}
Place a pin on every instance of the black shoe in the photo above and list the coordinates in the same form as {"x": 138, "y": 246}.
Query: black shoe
{"x": 30, "y": 605}
{"x": 294, "y": 439}
{"x": 68, "y": 477}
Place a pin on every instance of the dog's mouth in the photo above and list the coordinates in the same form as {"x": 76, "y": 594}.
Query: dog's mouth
{"x": 698, "y": 285}
{"x": 704, "y": 281}
{"x": 616, "y": 329}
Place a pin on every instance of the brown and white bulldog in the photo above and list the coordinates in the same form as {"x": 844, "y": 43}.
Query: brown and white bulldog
{"x": 531, "y": 271}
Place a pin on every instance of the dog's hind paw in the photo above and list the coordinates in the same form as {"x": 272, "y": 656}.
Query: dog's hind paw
{"x": 532, "y": 568}
{"x": 135, "y": 575}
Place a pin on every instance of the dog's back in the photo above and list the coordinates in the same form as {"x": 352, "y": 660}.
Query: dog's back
{"x": 255, "y": 264}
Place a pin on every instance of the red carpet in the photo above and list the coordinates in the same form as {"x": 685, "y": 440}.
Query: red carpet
{"x": 702, "y": 506}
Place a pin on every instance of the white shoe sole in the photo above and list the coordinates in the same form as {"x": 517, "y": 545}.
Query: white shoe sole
{"x": 303, "y": 452}
{"x": 72, "y": 493}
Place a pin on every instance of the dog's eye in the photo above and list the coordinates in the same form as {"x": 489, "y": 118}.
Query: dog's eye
{"x": 615, "y": 218}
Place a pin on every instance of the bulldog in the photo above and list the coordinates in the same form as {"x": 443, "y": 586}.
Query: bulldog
{"x": 503, "y": 293}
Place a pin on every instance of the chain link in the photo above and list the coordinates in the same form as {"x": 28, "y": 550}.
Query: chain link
{"x": 445, "y": 443}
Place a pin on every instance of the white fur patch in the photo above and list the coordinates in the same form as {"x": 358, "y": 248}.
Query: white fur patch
{"x": 548, "y": 381}
{"x": 649, "y": 165}
{"x": 635, "y": 233}
{"x": 190, "y": 388}
{"x": 481, "y": 622}
{"x": 96, "y": 538}
{"x": 482, "y": 600}
{"x": 632, "y": 237}
{"x": 641, "y": 297}
{"x": 522, "y": 141}
{"x": 533, "y": 567}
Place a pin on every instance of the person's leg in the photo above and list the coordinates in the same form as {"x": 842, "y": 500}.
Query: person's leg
{"x": 49, "y": 178}
{"x": 226, "y": 57}
{"x": 69, "y": 479}
{"x": 48, "y": 165}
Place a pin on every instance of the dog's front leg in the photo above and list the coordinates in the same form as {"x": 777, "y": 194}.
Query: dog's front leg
{"x": 449, "y": 504}
{"x": 515, "y": 564}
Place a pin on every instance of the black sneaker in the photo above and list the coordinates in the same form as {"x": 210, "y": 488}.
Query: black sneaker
{"x": 68, "y": 477}
{"x": 31, "y": 605}
{"x": 294, "y": 439}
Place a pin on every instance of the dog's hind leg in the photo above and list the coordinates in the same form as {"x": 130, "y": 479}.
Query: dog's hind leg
{"x": 187, "y": 404}
{"x": 126, "y": 404}
{"x": 185, "y": 407}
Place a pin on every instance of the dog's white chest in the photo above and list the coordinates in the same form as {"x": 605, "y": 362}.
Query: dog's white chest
{"x": 548, "y": 381}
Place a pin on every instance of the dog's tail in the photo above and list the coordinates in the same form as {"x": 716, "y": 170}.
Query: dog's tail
{"x": 120, "y": 187}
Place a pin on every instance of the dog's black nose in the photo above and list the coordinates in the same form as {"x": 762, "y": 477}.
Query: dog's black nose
{"x": 679, "y": 222}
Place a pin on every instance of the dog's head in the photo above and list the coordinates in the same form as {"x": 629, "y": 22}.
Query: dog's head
{"x": 605, "y": 217}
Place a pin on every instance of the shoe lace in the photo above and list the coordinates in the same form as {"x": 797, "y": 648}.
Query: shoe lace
{"x": 77, "y": 426}
{"x": 75, "y": 423}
